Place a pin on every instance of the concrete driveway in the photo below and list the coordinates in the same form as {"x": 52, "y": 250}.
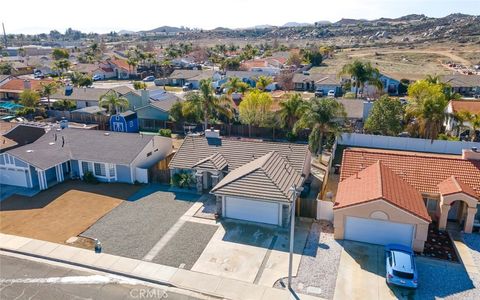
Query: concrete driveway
{"x": 361, "y": 275}
{"x": 251, "y": 252}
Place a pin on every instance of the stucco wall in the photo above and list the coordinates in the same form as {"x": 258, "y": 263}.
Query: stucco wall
{"x": 394, "y": 214}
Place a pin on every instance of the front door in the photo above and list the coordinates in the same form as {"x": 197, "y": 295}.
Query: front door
{"x": 453, "y": 212}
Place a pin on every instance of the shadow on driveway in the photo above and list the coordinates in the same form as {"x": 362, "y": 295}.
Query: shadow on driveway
{"x": 264, "y": 235}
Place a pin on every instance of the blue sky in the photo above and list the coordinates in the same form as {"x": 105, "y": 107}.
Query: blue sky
{"x": 33, "y": 16}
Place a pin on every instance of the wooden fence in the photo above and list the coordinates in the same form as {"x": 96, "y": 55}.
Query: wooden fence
{"x": 101, "y": 120}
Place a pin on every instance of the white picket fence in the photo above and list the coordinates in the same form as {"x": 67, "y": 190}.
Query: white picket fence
{"x": 404, "y": 143}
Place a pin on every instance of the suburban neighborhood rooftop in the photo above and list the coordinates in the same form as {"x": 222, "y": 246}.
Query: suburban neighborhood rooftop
{"x": 89, "y": 145}
{"x": 423, "y": 171}
{"x": 237, "y": 152}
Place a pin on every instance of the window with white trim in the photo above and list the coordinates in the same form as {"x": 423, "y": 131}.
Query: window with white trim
{"x": 111, "y": 170}
{"x": 86, "y": 167}
{"x": 99, "y": 169}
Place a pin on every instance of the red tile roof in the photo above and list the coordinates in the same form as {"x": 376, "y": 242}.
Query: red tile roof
{"x": 120, "y": 63}
{"x": 452, "y": 185}
{"x": 472, "y": 106}
{"x": 257, "y": 63}
{"x": 423, "y": 171}
{"x": 379, "y": 182}
{"x": 17, "y": 85}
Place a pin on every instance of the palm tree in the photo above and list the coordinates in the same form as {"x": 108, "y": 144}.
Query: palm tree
{"x": 205, "y": 101}
{"x": 427, "y": 104}
{"x": 113, "y": 102}
{"x": 473, "y": 120}
{"x": 46, "y": 90}
{"x": 263, "y": 82}
{"x": 362, "y": 73}
{"x": 62, "y": 65}
{"x": 235, "y": 85}
{"x": 290, "y": 110}
{"x": 132, "y": 63}
{"x": 321, "y": 115}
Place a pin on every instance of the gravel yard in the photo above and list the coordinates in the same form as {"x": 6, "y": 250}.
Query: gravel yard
{"x": 134, "y": 227}
{"x": 318, "y": 268}
{"x": 186, "y": 246}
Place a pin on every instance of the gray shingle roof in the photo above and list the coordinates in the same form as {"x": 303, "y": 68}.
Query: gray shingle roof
{"x": 460, "y": 80}
{"x": 191, "y": 74}
{"x": 81, "y": 144}
{"x": 88, "y": 94}
{"x": 236, "y": 152}
{"x": 247, "y": 74}
{"x": 318, "y": 78}
{"x": 215, "y": 161}
{"x": 80, "y": 94}
{"x": 269, "y": 177}
{"x": 353, "y": 107}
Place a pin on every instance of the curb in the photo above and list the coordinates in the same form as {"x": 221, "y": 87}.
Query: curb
{"x": 167, "y": 284}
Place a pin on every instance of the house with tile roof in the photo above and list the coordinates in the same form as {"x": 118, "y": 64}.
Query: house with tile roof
{"x": 71, "y": 153}
{"x": 456, "y": 106}
{"x": 251, "y": 179}
{"x": 12, "y": 88}
{"x": 386, "y": 196}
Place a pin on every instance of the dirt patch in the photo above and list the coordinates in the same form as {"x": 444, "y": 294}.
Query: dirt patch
{"x": 61, "y": 212}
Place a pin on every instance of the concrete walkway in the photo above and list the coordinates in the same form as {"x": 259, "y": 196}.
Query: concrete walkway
{"x": 464, "y": 253}
{"x": 189, "y": 280}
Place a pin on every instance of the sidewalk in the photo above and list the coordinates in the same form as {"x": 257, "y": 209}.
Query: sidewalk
{"x": 142, "y": 270}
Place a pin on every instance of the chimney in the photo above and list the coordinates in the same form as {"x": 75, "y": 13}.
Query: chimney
{"x": 145, "y": 97}
{"x": 212, "y": 133}
{"x": 471, "y": 154}
{"x": 27, "y": 85}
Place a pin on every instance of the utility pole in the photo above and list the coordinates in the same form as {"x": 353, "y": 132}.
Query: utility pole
{"x": 295, "y": 193}
{"x": 4, "y": 35}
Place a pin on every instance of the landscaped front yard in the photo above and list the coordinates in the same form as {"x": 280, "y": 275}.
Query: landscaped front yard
{"x": 61, "y": 212}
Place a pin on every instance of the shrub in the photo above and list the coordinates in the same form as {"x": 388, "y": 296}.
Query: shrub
{"x": 88, "y": 177}
{"x": 138, "y": 85}
{"x": 165, "y": 132}
{"x": 349, "y": 95}
{"x": 182, "y": 180}
{"x": 291, "y": 136}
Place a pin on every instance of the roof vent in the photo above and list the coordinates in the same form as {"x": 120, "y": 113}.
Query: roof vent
{"x": 29, "y": 151}
{"x": 107, "y": 133}
{"x": 51, "y": 143}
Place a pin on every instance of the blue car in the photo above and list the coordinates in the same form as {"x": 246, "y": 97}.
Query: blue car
{"x": 401, "y": 267}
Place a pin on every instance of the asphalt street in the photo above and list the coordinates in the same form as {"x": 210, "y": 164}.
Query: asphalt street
{"x": 26, "y": 279}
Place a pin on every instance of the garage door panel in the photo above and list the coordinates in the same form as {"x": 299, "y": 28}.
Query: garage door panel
{"x": 378, "y": 231}
{"x": 251, "y": 210}
{"x": 16, "y": 177}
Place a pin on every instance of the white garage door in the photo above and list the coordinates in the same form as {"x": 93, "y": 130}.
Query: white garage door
{"x": 378, "y": 232}
{"x": 11, "y": 176}
{"x": 250, "y": 210}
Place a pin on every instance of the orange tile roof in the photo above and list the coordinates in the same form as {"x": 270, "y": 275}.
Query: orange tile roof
{"x": 379, "y": 182}
{"x": 17, "y": 85}
{"x": 256, "y": 63}
{"x": 120, "y": 63}
{"x": 472, "y": 106}
{"x": 423, "y": 171}
{"x": 452, "y": 185}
